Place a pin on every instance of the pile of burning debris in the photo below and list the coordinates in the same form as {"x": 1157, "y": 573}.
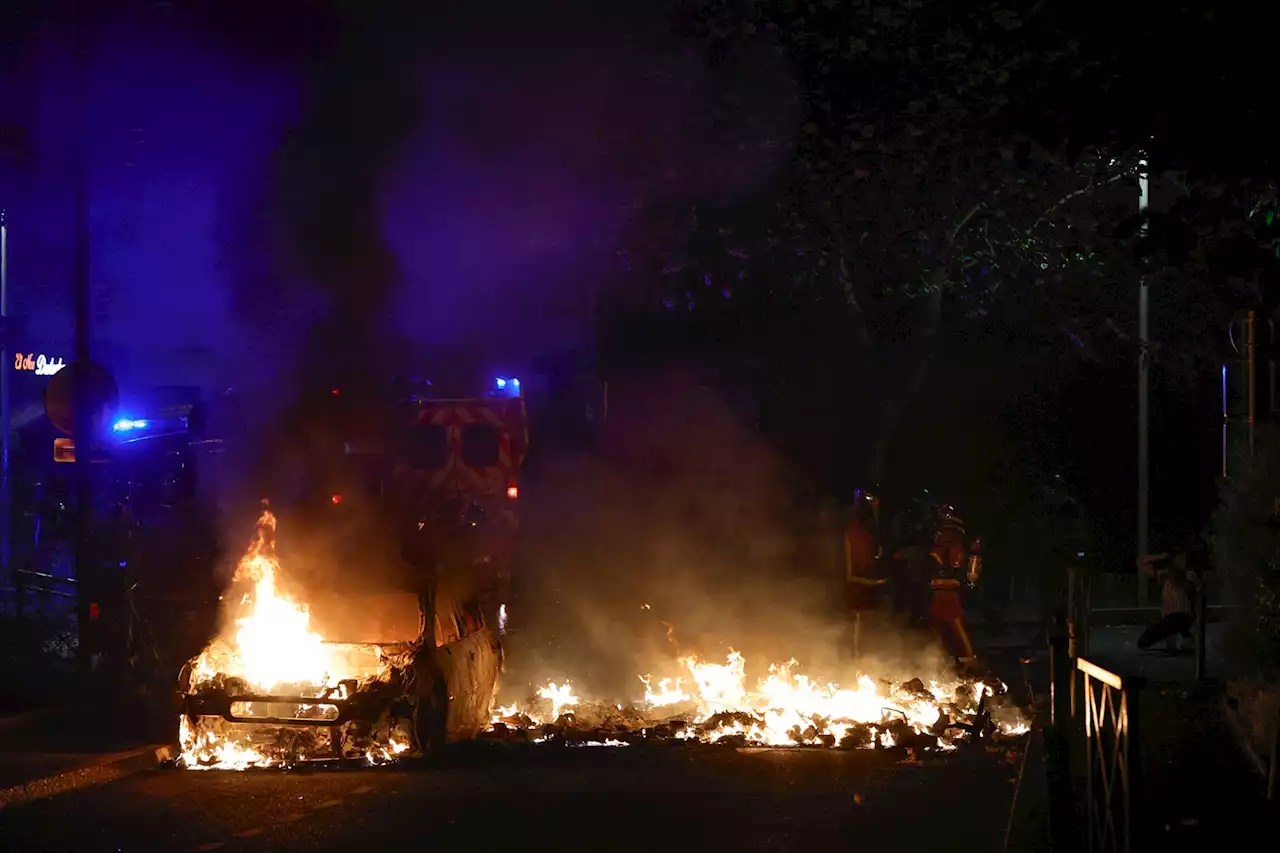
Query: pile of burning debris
{"x": 785, "y": 709}
{"x": 271, "y": 692}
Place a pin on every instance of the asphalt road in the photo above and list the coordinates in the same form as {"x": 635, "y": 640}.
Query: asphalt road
{"x": 674, "y": 797}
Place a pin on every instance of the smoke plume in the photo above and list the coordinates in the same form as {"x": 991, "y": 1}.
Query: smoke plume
{"x": 684, "y": 540}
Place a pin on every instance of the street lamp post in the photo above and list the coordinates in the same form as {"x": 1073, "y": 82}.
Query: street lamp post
{"x": 85, "y": 575}
{"x": 1144, "y": 367}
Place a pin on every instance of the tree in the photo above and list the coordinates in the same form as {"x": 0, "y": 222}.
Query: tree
{"x": 902, "y": 195}
{"x": 946, "y": 172}
{"x": 1246, "y": 548}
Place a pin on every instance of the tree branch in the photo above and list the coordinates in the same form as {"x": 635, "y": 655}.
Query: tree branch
{"x": 955, "y": 232}
{"x": 1087, "y": 188}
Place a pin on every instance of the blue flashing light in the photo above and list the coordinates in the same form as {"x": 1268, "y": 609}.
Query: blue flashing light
{"x": 502, "y": 382}
{"x": 128, "y": 425}
{"x": 515, "y": 383}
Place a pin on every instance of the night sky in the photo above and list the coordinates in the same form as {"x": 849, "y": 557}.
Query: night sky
{"x": 282, "y": 190}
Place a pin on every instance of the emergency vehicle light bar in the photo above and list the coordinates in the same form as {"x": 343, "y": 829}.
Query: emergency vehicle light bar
{"x": 128, "y": 425}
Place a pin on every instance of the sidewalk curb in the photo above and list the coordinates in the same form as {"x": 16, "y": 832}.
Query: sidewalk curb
{"x": 106, "y": 769}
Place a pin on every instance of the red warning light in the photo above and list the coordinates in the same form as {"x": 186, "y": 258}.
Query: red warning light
{"x": 513, "y": 492}
{"x": 335, "y": 392}
{"x": 337, "y": 499}
{"x": 93, "y": 611}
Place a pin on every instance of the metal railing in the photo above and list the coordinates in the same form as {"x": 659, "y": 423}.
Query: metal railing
{"x": 1079, "y": 606}
{"x": 1081, "y": 613}
{"x": 1094, "y": 716}
{"x": 33, "y": 589}
{"x": 1113, "y": 764}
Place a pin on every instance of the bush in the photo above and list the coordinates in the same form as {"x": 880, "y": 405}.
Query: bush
{"x": 1245, "y": 534}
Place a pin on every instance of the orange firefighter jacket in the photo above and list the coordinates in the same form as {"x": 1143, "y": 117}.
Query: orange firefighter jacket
{"x": 860, "y": 552}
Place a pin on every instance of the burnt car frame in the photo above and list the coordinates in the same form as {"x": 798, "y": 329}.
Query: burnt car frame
{"x": 438, "y": 688}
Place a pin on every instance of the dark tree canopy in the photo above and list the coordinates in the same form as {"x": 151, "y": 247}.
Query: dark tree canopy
{"x": 970, "y": 169}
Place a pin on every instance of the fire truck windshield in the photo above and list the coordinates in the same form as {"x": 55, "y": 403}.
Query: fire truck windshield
{"x": 428, "y": 447}
{"x": 479, "y": 445}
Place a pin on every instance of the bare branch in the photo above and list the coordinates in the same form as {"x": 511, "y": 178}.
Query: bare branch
{"x": 964, "y": 221}
{"x": 1086, "y": 189}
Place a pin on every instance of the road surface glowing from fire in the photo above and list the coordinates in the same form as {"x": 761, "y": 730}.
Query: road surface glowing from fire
{"x": 711, "y": 703}
{"x": 272, "y": 652}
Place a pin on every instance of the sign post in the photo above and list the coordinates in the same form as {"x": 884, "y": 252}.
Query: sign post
{"x": 6, "y": 487}
{"x": 1144, "y": 371}
{"x": 84, "y": 403}
{"x": 80, "y": 401}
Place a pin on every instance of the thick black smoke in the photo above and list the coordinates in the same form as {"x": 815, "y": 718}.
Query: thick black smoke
{"x": 361, "y": 106}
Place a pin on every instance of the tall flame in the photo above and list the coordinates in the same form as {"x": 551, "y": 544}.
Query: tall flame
{"x": 273, "y": 644}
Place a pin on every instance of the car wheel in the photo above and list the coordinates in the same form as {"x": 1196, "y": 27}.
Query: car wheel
{"x": 431, "y": 718}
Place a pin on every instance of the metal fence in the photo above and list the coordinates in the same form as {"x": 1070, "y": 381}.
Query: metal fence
{"x": 1090, "y": 605}
{"x": 1113, "y": 765}
{"x": 42, "y": 592}
{"x": 1079, "y": 610}
{"x": 1096, "y": 750}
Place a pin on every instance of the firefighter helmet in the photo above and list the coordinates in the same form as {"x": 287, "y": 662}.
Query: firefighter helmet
{"x": 948, "y": 517}
{"x": 866, "y": 503}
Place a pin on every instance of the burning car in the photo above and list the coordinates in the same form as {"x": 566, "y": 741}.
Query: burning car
{"x": 370, "y": 677}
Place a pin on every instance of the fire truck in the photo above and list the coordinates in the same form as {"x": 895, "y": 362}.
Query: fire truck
{"x": 437, "y": 469}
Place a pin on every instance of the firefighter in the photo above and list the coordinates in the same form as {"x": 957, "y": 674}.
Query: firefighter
{"x": 862, "y": 553}
{"x": 951, "y": 568}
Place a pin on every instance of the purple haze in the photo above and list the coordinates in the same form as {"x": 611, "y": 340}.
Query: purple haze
{"x": 500, "y": 211}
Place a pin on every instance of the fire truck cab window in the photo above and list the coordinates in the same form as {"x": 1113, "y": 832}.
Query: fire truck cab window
{"x": 428, "y": 447}
{"x": 479, "y": 445}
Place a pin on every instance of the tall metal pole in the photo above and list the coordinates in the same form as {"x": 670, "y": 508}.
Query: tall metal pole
{"x": 6, "y": 488}
{"x": 1271, "y": 372}
{"x": 1144, "y": 367}
{"x": 1250, "y": 374}
{"x": 1226, "y": 421}
{"x": 83, "y": 306}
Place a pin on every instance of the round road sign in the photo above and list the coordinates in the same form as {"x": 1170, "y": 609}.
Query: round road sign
{"x": 60, "y": 394}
